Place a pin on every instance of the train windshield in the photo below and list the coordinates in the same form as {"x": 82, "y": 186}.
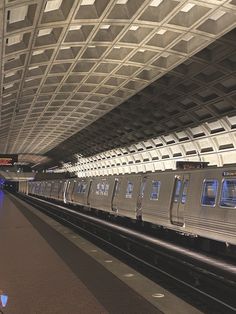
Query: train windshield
{"x": 228, "y": 193}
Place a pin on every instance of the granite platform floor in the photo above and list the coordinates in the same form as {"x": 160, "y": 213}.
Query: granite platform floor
{"x": 43, "y": 272}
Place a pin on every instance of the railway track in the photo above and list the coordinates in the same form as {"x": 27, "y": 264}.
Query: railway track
{"x": 207, "y": 283}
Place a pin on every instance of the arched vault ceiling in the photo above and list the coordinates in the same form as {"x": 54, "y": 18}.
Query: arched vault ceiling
{"x": 66, "y": 63}
{"x": 201, "y": 89}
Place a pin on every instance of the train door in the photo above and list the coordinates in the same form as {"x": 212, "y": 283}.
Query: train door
{"x": 140, "y": 197}
{"x": 89, "y": 191}
{"x": 113, "y": 199}
{"x": 64, "y": 191}
{"x": 179, "y": 199}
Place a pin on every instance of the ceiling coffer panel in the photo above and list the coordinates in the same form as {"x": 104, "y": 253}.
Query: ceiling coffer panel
{"x": 67, "y": 63}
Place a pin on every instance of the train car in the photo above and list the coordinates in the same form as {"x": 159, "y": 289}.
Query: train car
{"x": 200, "y": 202}
{"x": 210, "y": 208}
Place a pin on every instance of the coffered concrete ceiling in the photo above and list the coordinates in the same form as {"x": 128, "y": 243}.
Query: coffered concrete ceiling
{"x": 66, "y": 63}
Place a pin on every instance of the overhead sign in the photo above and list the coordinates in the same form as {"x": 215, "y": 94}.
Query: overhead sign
{"x": 8, "y": 160}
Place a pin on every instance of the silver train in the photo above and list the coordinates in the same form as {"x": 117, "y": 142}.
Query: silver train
{"x": 198, "y": 202}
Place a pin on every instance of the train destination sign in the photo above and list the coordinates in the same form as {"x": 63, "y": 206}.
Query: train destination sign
{"x": 8, "y": 160}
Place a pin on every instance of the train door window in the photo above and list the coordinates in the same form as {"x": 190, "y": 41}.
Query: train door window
{"x": 209, "y": 192}
{"x": 83, "y": 188}
{"x": 228, "y": 193}
{"x": 98, "y": 189}
{"x": 106, "y": 189}
{"x": 155, "y": 190}
{"x": 184, "y": 193}
{"x": 142, "y": 188}
{"x": 102, "y": 188}
{"x": 78, "y": 190}
{"x": 178, "y": 184}
{"x": 129, "y": 190}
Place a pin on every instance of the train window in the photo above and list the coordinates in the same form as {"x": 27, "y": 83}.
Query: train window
{"x": 98, "y": 189}
{"x": 178, "y": 184}
{"x": 228, "y": 193}
{"x": 184, "y": 193}
{"x": 209, "y": 192}
{"x": 102, "y": 188}
{"x": 83, "y": 188}
{"x": 155, "y": 190}
{"x": 78, "y": 187}
{"x": 129, "y": 190}
{"x": 106, "y": 189}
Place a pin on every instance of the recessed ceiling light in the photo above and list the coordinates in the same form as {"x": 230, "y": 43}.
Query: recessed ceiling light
{"x": 105, "y": 26}
{"x": 161, "y": 31}
{"x": 13, "y": 58}
{"x": 188, "y": 37}
{"x": 187, "y": 7}
{"x": 44, "y": 32}
{"x": 155, "y": 3}
{"x": 6, "y": 95}
{"x": 34, "y": 67}
{"x": 134, "y": 28}
{"x": 37, "y": 52}
{"x": 122, "y": 1}
{"x": 8, "y": 86}
{"x": 87, "y": 2}
{"x": 142, "y": 50}
{"x": 74, "y": 27}
{"x": 9, "y": 74}
{"x": 52, "y": 5}
{"x": 165, "y": 55}
{"x": 18, "y": 14}
{"x": 217, "y": 15}
{"x": 14, "y": 39}
{"x": 64, "y": 47}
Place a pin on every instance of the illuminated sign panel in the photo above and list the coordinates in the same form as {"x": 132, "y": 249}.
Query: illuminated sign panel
{"x": 229, "y": 173}
{"x": 191, "y": 164}
{"x": 8, "y": 160}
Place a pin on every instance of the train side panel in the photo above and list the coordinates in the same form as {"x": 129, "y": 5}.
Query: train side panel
{"x": 101, "y": 193}
{"x": 157, "y": 198}
{"x": 205, "y": 215}
{"x": 126, "y": 196}
{"x": 80, "y": 191}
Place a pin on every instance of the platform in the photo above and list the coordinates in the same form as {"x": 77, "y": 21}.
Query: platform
{"x": 46, "y": 268}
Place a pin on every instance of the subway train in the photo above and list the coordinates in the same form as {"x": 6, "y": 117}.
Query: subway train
{"x": 192, "y": 200}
